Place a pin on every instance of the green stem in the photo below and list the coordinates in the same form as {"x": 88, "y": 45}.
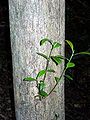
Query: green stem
{"x": 47, "y": 64}
{"x": 60, "y": 76}
{"x": 71, "y": 57}
{"x": 57, "y": 82}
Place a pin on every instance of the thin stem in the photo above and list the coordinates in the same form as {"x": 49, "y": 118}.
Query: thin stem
{"x": 57, "y": 82}
{"x": 37, "y": 88}
{"x": 37, "y": 83}
{"x": 47, "y": 64}
{"x": 60, "y": 75}
{"x": 71, "y": 56}
{"x": 45, "y": 73}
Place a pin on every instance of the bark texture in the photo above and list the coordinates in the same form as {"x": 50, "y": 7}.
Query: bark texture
{"x": 30, "y": 21}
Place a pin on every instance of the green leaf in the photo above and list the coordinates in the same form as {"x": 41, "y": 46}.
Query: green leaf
{"x": 69, "y": 77}
{"x": 62, "y": 57}
{"x": 57, "y": 79}
{"x": 65, "y": 58}
{"x": 70, "y": 44}
{"x": 43, "y": 93}
{"x": 56, "y": 45}
{"x": 45, "y": 40}
{"x": 82, "y": 53}
{"x": 41, "y": 86}
{"x": 70, "y": 64}
{"x": 29, "y": 79}
{"x": 51, "y": 70}
{"x": 41, "y": 54}
{"x": 41, "y": 89}
{"x": 42, "y": 72}
{"x": 56, "y": 59}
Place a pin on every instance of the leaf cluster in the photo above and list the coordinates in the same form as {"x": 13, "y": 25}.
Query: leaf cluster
{"x": 56, "y": 59}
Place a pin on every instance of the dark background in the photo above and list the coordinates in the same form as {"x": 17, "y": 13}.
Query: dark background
{"x": 77, "y": 92}
{"x": 77, "y": 105}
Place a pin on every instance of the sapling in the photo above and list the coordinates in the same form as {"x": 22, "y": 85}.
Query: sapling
{"x": 57, "y": 59}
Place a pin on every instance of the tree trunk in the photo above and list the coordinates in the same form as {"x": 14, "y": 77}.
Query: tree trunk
{"x": 30, "y": 21}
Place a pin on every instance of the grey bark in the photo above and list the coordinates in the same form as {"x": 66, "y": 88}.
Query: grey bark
{"x": 30, "y": 21}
